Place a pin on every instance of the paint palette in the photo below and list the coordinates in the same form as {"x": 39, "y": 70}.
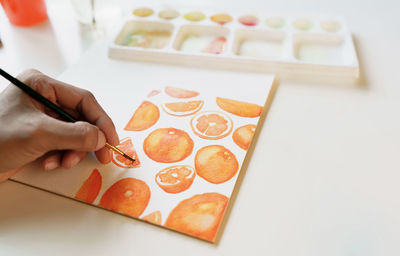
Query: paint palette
{"x": 287, "y": 45}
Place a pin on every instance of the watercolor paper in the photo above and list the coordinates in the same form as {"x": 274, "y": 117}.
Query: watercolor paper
{"x": 189, "y": 131}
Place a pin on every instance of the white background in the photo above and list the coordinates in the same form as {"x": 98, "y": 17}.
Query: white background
{"x": 324, "y": 176}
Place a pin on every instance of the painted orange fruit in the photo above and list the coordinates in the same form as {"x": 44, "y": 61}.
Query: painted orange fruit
{"x": 211, "y": 125}
{"x": 183, "y": 108}
{"x": 199, "y": 216}
{"x": 239, "y": 108}
{"x": 128, "y": 196}
{"x": 90, "y": 188}
{"x": 180, "y": 93}
{"x": 175, "y": 179}
{"x": 126, "y": 146}
{"x": 154, "y": 217}
{"x": 215, "y": 164}
{"x": 242, "y": 136}
{"x": 144, "y": 117}
{"x": 168, "y": 145}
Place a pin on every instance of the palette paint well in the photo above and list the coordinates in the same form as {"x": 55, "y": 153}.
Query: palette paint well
{"x": 260, "y": 49}
{"x": 320, "y": 53}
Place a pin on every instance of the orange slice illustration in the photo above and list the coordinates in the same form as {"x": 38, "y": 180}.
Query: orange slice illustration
{"x": 211, "y": 125}
{"x": 239, "y": 108}
{"x": 180, "y": 93}
{"x": 183, "y": 108}
{"x": 153, "y": 93}
{"x": 154, "y": 217}
{"x": 242, "y": 136}
{"x": 215, "y": 164}
{"x": 126, "y": 146}
{"x": 144, "y": 117}
{"x": 199, "y": 216}
{"x": 128, "y": 196}
{"x": 168, "y": 145}
{"x": 90, "y": 188}
{"x": 175, "y": 179}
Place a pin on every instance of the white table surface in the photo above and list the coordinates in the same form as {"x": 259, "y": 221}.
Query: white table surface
{"x": 323, "y": 180}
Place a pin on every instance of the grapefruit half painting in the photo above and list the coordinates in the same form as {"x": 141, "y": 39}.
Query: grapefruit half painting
{"x": 126, "y": 146}
{"x": 211, "y": 125}
{"x": 175, "y": 179}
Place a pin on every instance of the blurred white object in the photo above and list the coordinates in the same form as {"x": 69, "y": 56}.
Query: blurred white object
{"x": 98, "y": 13}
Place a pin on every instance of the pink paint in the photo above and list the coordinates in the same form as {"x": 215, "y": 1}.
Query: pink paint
{"x": 248, "y": 20}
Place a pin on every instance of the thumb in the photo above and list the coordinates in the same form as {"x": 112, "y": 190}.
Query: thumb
{"x": 79, "y": 136}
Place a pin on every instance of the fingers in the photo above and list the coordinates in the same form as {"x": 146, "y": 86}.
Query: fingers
{"x": 60, "y": 135}
{"x": 52, "y": 161}
{"x": 70, "y": 97}
{"x": 104, "y": 155}
{"x": 72, "y": 158}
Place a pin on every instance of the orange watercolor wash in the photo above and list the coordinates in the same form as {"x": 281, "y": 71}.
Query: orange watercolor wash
{"x": 216, "y": 164}
{"x": 180, "y": 93}
{"x": 199, "y": 216}
{"x": 128, "y": 196}
{"x": 90, "y": 188}
{"x": 239, "y": 108}
{"x": 126, "y": 146}
{"x": 154, "y": 217}
{"x": 183, "y": 108}
{"x": 243, "y": 136}
{"x": 168, "y": 145}
{"x": 153, "y": 93}
{"x": 144, "y": 117}
{"x": 211, "y": 125}
{"x": 175, "y": 179}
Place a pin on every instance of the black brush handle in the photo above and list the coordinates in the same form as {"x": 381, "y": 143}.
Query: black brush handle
{"x": 37, "y": 96}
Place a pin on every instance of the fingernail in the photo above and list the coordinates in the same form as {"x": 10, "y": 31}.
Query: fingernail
{"x": 74, "y": 161}
{"x": 51, "y": 165}
{"x": 101, "y": 140}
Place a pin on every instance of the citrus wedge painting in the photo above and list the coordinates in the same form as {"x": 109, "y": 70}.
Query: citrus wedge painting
{"x": 189, "y": 138}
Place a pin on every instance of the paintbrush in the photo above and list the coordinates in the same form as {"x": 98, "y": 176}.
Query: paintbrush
{"x": 62, "y": 113}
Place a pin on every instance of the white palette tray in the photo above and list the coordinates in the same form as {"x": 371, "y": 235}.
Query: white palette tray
{"x": 286, "y": 45}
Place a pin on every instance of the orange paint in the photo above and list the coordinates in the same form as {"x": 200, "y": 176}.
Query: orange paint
{"x": 183, "y": 108}
{"x": 199, "y": 216}
{"x": 211, "y": 125}
{"x": 25, "y": 12}
{"x": 90, "y": 188}
{"x": 243, "y": 136}
{"x": 126, "y": 146}
{"x": 180, "y": 93}
{"x": 239, "y": 108}
{"x": 153, "y": 93}
{"x": 154, "y": 217}
{"x": 216, "y": 164}
{"x": 175, "y": 179}
{"x": 168, "y": 145}
{"x": 144, "y": 117}
{"x": 128, "y": 196}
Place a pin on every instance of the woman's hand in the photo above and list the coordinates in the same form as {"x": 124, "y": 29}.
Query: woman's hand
{"x": 29, "y": 131}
